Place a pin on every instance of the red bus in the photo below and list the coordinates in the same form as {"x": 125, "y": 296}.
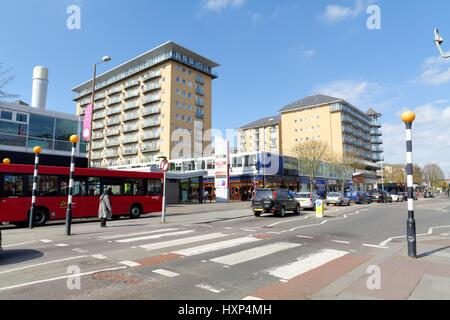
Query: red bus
{"x": 134, "y": 193}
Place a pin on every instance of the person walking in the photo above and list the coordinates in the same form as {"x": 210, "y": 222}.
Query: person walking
{"x": 105, "y": 208}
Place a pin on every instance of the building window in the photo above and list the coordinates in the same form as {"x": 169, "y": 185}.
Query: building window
{"x": 20, "y": 117}
{"x": 41, "y": 126}
{"x": 7, "y": 115}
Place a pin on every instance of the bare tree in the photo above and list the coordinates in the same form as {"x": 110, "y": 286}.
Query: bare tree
{"x": 398, "y": 174}
{"x": 345, "y": 167}
{"x": 5, "y": 79}
{"x": 311, "y": 154}
{"x": 433, "y": 175}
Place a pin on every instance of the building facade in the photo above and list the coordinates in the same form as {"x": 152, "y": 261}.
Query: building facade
{"x": 157, "y": 104}
{"x": 261, "y": 135}
{"x": 22, "y": 128}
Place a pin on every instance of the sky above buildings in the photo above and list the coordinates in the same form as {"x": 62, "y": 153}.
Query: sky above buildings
{"x": 271, "y": 54}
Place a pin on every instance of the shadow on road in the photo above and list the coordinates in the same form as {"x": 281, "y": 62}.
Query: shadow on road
{"x": 429, "y": 253}
{"x": 9, "y": 257}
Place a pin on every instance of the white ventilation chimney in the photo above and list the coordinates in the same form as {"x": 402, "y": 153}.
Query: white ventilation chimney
{"x": 40, "y": 85}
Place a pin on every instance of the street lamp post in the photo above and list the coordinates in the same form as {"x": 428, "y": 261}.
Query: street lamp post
{"x": 408, "y": 118}
{"x": 37, "y": 152}
{"x": 74, "y": 140}
{"x": 164, "y": 166}
{"x": 94, "y": 81}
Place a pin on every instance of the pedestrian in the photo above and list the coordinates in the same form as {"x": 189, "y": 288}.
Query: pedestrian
{"x": 105, "y": 208}
{"x": 206, "y": 196}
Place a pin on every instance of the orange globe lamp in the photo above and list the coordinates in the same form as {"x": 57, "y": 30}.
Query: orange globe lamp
{"x": 6, "y": 161}
{"x": 74, "y": 139}
{"x": 37, "y": 150}
{"x": 408, "y": 117}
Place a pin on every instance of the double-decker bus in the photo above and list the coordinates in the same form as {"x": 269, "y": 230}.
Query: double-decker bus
{"x": 133, "y": 193}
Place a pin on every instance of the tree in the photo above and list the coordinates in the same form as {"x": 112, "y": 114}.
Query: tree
{"x": 345, "y": 167}
{"x": 311, "y": 154}
{"x": 433, "y": 175}
{"x": 397, "y": 174}
{"x": 5, "y": 79}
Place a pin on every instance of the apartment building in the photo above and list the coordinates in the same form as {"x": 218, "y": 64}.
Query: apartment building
{"x": 262, "y": 135}
{"x": 348, "y": 131}
{"x": 156, "y": 104}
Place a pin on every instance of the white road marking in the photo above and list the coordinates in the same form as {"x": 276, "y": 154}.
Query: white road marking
{"x": 79, "y": 250}
{"x": 252, "y": 298}
{"x": 129, "y": 263}
{"x": 117, "y": 236}
{"x": 46, "y": 241}
{"x": 215, "y": 246}
{"x": 209, "y": 288}
{"x": 62, "y": 245}
{"x": 166, "y": 273}
{"x": 254, "y": 253}
{"x": 286, "y": 221}
{"x": 19, "y": 244}
{"x": 249, "y": 230}
{"x": 305, "y": 237}
{"x": 43, "y": 264}
{"x": 99, "y": 256}
{"x": 59, "y": 278}
{"x": 340, "y": 241}
{"x": 307, "y": 263}
{"x": 157, "y": 236}
{"x": 167, "y": 244}
{"x": 430, "y": 232}
{"x": 374, "y": 246}
{"x": 445, "y": 234}
{"x": 228, "y": 228}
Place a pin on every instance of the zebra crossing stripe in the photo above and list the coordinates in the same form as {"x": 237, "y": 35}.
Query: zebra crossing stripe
{"x": 157, "y": 236}
{"x": 307, "y": 263}
{"x": 118, "y": 236}
{"x": 254, "y": 253}
{"x": 166, "y": 273}
{"x": 173, "y": 243}
{"x": 215, "y": 246}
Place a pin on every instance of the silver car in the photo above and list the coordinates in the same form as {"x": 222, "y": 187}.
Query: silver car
{"x": 307, "y": 200}
{"x": 337, "y": 198}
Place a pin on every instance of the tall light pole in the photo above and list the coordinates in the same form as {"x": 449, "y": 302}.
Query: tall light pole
{"x": 408, "y": 118}
{"x": 74, "y": 140}
{"x": 94, "y": 80}
{"x": 438, "y": 40}
{"x": 37, "y": 151}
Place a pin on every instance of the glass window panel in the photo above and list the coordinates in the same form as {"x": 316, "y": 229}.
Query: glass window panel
{"x": 13, "y": 128}
{"x": 65, "y": 128}
{"x": 63, "y": 146}
{"x": 43, "y": 143}
{"x": 13, "y": 186}
{"x": 47, "y": 186}
{"x": 15, "y": 141}
{"x": 79, "y": 188}
{"x": 41, "y": 126}
{"x": 94, "y": 187}
{"x": 7, "y": 115}
{"x": 21, "y": 117}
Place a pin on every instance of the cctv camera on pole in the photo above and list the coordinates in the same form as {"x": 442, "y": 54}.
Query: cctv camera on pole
{"x": 439, "y": 40}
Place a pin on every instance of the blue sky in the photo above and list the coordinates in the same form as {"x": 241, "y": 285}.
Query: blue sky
{"x": 271, "y": 53}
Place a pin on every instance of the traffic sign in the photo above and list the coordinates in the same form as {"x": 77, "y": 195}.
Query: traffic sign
{"x": 319, "y": 209}
{"x": 164, "y": 165}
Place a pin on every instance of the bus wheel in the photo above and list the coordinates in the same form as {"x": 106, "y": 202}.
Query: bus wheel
{"x": 136, "y": 211}
{"x": 40, "y": 217}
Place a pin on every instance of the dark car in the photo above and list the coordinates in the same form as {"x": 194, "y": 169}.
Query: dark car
{"x": 358, "y": 197}
{"x": 380, "y": 196}
{"x": 276, "y": 201}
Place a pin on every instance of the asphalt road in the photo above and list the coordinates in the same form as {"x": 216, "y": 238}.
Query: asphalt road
{"x": 228, "y": 254}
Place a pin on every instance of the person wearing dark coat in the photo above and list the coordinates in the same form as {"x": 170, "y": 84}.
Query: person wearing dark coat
{"x": 105, "y": 208}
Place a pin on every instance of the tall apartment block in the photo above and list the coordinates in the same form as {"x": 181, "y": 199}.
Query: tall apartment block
{"x": 263, "y": 135}
{"x": 157, "y": 104}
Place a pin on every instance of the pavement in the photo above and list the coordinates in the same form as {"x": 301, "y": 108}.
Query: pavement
{"x": 222, "y": 252}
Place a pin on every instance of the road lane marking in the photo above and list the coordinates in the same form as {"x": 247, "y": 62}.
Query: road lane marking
{"x": 250, "y": 298}
{"x": 26, "y": 284}
{"x": 215, "y": 246}
{"x": 305, "y": 237}
{"x": 374, "y": 246}
{"x": 19, "y": 244}
{"x": 341, "y": 241}
{"x": 173, "y": 243}
{"x": 307, "y": 263}
{"x": 79, "y": 250}
{"x": 46, "y": 241}
{"x": 61, "y": 245}
{"x": 430, "y": 232}
{"x": 129, "y": 263}
{"x": 285, "y": 221}
{"x": 43, "y": 264}
{"x": 166, "y": 273}
{"x": 209, "y": 288}
{"x": 254, "y": 253}
{"x": 99, "y": 256}
{"x": 157, "y": 236}
{"x": 117, "y": 236}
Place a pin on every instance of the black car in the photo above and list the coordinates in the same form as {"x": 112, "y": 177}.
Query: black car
{"x": 276, "y": 201}
{"x": 380, "y": 196}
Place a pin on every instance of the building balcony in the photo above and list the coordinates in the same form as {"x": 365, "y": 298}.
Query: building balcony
{"x": 151, "y": 86}
{"x": 130, "y": 139}
{"x": 150, "y": 135}
{"x": 151, "y": 98}
{"x": 377, "y": 149}
{"x": 112, "y": 142}
{"x": 98, "y": 125}
{"x": 131, "y": 94}
{"x": 129, "y": 151}
{"x": 200, "y": 91}
{"x": 130, "y": 128}
{"x": 115, "y": 100}
{"x": 112, "y": 111}
{"x": 376, "y": 132}
{"x": 99, "y": 106}
{"x": 98, "y": 136}
{"x": 200, "y": 102}
{"x": 151, "y": 75}
{"x": 199, "y": 79}
{"x": 199, "y": 116}
{"x": 113, "y": 121}
{"x": 112, "y": 132}
{"x": 100, "y": 96}
{"x": 150, "y": 148}
{"x": 99, "y": 115}
{"x": 132, "y": 83}
{"x": 111, "y": 154}
{"x": 147, "y": 124}
{"x": 150, "y": 111}
{"x": 376, "y": 124}
{"x": 130, "y": 116}
{"x": 376, "y": 140}
{"x": 131, "y": 105}
{"x": 114, "y": 90}
{"x": 97, "y": 155}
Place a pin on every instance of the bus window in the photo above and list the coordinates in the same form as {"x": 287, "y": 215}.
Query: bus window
{"x": 79, "y": 188}
{"x": 94, "y": 187}
{"x": 134, "y": 187}
{"x": 13, "y": 186}
{"x": 154, "y": 187}
{"x": 47, "y": 186}
{"x": 114, "y": 186}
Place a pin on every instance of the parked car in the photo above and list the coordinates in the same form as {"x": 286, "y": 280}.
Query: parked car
{"x": 358, "y": 197}
{"x": 337, "y": 198}
{"x": 397, "y": 197}
{"x": 276, "y": 201}
{"x": 307, "y": 200}
{"x": 380, "y": 196}
{"x": 404, "y": 195}
{"x": 428, "y": 194}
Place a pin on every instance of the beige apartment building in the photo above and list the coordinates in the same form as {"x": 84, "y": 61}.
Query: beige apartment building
{"x": 263, "y": 135}
{"x": 157, "y": 104}
{"x": 347, "y": 130}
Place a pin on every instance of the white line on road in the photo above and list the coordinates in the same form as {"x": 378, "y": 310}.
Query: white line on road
{"x": 430, "y": 232}
{"x": 254, "y": 253}
{"x": 285, "y": 221}
{"x": 341, "y": 241}
{"x": 59, "y": 278}
{"x": 374, "y": 246}
{"x": 19, "y": 244}
{"x": 43, "y": 264}
{"x": 79, "y": 250}
{"x": 307, "y": 263}
{"x": 209, "y": 288}
{"x": 131, "y": 264}
{"x": 99, "y": 256}
{"x": 157, "y": 236}
{"x": 216, "y": 246}
{"x": 61, "y": 245}
{"x": 305, "y": 237}
{"x": 166, "y": 273}
{"x": 117, "y": 236}
{"x": 173, "y": 243}
{"x": 46, "y": 241}
{"x": 252, "y": 298}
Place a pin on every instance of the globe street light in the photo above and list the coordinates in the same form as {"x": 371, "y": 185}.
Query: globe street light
{"x": 94, "y": 80}
{"x": 438, "y": 40}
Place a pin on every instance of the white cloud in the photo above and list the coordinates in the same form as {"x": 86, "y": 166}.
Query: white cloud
{"x": 309, "y": 53}
{"x": 219, "y": 5}
{"x": 436, "y": 71}
{"x": 335, "y": 13}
